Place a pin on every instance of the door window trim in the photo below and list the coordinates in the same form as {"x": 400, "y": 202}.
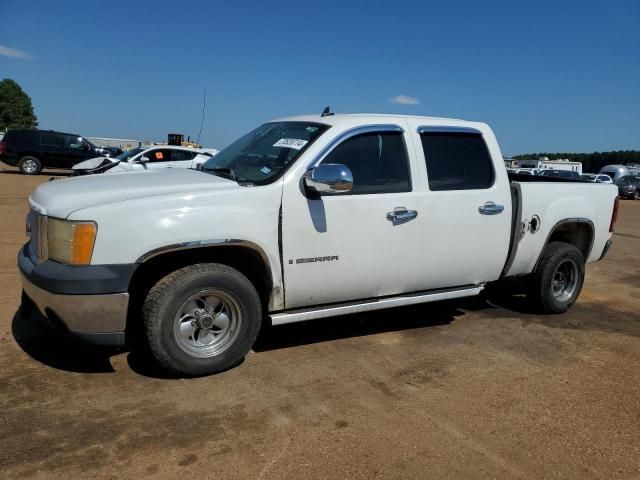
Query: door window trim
{"x": 352, "y": 132}
{"x": 444, "y": 129}
{"x": 451, "y": 129}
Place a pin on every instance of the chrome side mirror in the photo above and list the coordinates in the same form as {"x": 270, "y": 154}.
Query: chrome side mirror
{"x": 142, "y": 160}
{"x": 329, "y": 178}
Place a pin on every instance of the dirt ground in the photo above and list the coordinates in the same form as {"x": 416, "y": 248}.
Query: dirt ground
{"x": 453, "y": 390}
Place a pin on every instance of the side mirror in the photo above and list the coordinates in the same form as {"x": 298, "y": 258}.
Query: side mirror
{"x": 143, "y": 159}
{"x": 330, "y": 178}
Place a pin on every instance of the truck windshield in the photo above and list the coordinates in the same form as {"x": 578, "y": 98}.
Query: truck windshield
{"x": 263, "y": 155}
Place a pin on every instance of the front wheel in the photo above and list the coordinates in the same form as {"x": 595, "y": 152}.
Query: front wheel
{"x": 636, "y": 195}
{"x": 557, "y": 280}
{"x": 201, "y": 319}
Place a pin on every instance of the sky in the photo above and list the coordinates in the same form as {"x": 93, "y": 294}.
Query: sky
{"x": 548, "y": 76}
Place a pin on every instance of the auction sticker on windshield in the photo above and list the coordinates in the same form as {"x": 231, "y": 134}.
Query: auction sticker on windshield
{"x": 295, "y": 143}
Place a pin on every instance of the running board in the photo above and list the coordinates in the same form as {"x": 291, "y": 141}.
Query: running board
{"x": 313, "y": 313}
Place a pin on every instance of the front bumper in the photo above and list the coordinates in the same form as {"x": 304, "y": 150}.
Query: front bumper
{"x": 90, "y": 302}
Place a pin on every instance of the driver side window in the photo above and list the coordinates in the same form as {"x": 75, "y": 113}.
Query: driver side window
{"x": 159, "y": 155}
{"x": 378, "y": 162}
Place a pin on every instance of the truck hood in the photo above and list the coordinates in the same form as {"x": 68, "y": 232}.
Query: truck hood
{"x": 60, "y": 198}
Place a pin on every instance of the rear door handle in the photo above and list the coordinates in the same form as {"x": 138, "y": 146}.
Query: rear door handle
{"x": 490, "y": 208}
{"x": 401, "y": 215}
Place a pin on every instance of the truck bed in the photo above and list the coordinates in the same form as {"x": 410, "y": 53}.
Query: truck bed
{"x": 540, "y": 205}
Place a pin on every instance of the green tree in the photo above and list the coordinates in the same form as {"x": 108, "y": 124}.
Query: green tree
{"x": 16, "y": 110}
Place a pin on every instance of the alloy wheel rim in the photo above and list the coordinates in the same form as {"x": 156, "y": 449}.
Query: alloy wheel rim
{"x": 564, "y": 281}
{"x": 207, "y": 323}
{"x": 29, "y": 166}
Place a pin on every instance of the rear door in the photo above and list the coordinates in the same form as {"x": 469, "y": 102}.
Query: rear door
{"x": 466, "y": 204}
{"x": 52, "y": 150}
{"x": 182, "y": 158}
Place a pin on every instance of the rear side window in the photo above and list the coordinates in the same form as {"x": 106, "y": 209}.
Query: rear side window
{"x": 182, "y": 155}
{"x": 50, "y": 140}
{"x": 378, "y": 162}
{"x": 13, "y": 136}
{"x": 457, "y": 161}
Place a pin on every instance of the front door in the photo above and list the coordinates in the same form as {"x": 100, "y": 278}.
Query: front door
{"x": 156, "y": 158}
{"x": 77, "y": 150}
{"x": 349, "y": 246}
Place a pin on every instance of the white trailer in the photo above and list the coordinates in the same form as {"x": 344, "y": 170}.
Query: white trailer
{"x": 543, "y": 163}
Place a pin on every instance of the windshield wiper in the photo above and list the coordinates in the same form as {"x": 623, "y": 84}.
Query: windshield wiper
{"x": 223, "y": 172}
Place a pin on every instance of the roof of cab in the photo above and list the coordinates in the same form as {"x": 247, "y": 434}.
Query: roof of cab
{"x": 369, "y": 118}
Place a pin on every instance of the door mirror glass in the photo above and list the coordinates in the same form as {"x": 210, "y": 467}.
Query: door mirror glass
{"x": 329, "y": 178}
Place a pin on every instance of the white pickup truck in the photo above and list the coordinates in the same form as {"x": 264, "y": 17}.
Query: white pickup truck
{"x": 303, "y": 218}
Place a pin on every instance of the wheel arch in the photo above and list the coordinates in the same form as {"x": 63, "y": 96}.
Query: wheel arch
{"x": 246, "y": 257}
{"x": 578, "y": 231}
{"x": 21, "y": 155}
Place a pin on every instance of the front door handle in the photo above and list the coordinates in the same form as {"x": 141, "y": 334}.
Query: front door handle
{"x": 401, "y": 215}
{"x": 490, "y": 208}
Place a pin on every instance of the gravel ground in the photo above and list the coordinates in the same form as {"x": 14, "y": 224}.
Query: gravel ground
{"x": 469, "y": 389}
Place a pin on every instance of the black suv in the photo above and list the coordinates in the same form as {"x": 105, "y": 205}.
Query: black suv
{"x": 32, "y": 150}
{"x": 628, "y": 187}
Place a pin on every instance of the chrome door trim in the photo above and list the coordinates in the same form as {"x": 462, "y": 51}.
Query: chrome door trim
{"x": 352, "y": 132}
{"x": 447, "y": 129}
{"x": 347, "y": 308}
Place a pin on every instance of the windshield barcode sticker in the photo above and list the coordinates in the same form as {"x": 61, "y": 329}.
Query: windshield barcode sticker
{"x": 295, "y": 143}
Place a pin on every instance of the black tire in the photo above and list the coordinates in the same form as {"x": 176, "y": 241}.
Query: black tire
{"x": 30, "y": 165}
{"x": 636, "y": 195}
{"x": 543, "y": 292}
{"x": 171, "y": 296}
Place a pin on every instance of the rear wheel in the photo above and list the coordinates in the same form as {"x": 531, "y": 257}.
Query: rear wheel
{"x": 202, "y": 319}
{"x": 30, "y": 165}
{"x": 636, "y": 195}
{"x": 557, "y": 281}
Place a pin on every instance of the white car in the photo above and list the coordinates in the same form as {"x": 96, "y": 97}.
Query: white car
{"x": 145, "y": 158}
{"x": 304, "y": 218}
{"x": 596, "y": 178}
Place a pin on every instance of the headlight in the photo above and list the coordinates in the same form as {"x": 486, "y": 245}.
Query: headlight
{"x": 71, "y": 242}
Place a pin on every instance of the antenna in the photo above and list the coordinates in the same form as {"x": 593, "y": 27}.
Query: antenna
{"x": 327, "y": 112}
{"x": 204, "y": 106}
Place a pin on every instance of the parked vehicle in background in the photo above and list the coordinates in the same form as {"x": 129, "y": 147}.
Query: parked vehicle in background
{"x": 108, "y": 151}
{"x": 568, "y": 174}
{"x": 32, "y": 150}
{"x": 524, "y": 171}
{"x": 144, "y": 158}
{"x": 596, "y": 178}
{"x": 628, "y": 187}
{"x": 617, "y": 171}
{"x": 543, "y": 163}
{"x": 304, "y": 218}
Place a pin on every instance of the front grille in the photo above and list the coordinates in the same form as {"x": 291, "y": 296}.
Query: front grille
{"x": 37, "y": 232}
